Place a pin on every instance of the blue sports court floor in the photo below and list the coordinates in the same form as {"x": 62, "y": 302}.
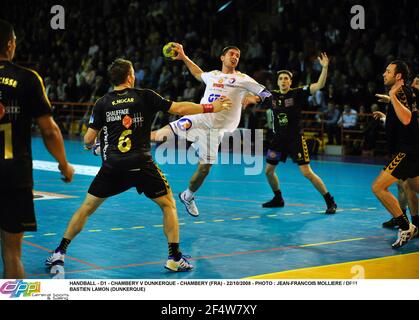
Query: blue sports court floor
{"x": 233, "y": 238}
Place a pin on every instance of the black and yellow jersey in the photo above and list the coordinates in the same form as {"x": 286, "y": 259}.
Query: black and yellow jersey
{"x": 286, "y": 110}
{"x": 22, "y": 98}
{"x": 124, "y": 118}
{"x": 403, "y": 138}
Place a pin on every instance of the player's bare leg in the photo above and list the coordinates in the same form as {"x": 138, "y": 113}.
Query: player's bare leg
{"x": 11, "y": 249}
{"x": 277, "y": 201}
{"x": 188, "y": 196}
{"x": 318, "y": 183}
{"x": 74, "y": 227}
{"x": 176, "y": 261}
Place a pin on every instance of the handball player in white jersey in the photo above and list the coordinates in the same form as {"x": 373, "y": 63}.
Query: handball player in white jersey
{"x": 206, "y": 130}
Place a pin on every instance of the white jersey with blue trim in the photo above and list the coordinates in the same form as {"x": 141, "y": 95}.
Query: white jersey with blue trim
{"x": 233, "y": 86}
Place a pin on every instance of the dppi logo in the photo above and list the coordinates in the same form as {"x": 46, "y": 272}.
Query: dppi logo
{"x": 212, "y": 97}
{"x": 184, "y": 124}
{"x": 18, "y": 287}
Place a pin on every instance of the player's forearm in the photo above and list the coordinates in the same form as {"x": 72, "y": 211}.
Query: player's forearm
{"x": 186, "y": 108}
{"x": 54, "y": 143}
{"x": 193, "y": 68}
{"x": 321, "y": 82}
{"x": 402, "y": 112}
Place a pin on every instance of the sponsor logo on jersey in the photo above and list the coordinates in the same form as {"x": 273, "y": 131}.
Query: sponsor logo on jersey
{"x": 184, "y": 124}
{"x": 231, "y": 80}
{"x": 289, "y": 102}
{"x": 127, "y": 121}
{"x": 218, "y": 85}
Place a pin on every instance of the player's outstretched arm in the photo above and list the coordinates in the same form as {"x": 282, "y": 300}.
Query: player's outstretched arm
{"x": 324, "y": 61}
{"x": 189, "y": 108}
{"x": 53, "y": 141}
{"x": 192, "y": 67}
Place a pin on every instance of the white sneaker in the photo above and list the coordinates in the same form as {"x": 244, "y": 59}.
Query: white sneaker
{"x": 189, "y": 205}
{"x": 181, "y": 265}
{"x": 404, "y": 236}
{"x": 55, "y": 258}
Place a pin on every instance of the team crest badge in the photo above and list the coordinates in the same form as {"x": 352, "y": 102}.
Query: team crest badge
{"x": 184, "y": 124}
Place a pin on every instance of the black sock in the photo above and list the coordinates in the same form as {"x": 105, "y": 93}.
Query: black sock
{"x": 174, "y": 251}
{"x": 63, "y": 245}
{"x": 403, "y": 222}
{"x": 415, "y": 220}
{"x": 278, "y": 194}
{"x": 329, "y": 199}
{"x": 404, "y": 210}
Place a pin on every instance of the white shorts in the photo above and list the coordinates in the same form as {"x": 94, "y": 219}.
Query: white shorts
{"x": 205, "y": 140}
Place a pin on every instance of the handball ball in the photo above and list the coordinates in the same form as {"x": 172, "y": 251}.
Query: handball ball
{"x": 168, "y": 51}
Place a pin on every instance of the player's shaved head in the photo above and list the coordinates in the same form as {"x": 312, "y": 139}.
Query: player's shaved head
{"x": 6, "y": 34}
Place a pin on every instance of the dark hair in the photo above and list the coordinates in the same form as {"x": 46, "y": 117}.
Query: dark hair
{"x": 224, "y": 51}
{"x": 6, "y": 34}
{"x": 289, "y": 73}
{"x": 402, "y": 68}
{"x": 118, "y": 71}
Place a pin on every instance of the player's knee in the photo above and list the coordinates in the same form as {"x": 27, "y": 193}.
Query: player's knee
{"x": 168, "y": 204}
{"x": 270, "y": 171}
{"x": 204, "y": 170}
{"x": 376, "y": 188}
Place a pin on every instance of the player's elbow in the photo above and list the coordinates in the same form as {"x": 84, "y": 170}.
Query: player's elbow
{"x": 406, "y": 120}
{"x": 50, "y": 132}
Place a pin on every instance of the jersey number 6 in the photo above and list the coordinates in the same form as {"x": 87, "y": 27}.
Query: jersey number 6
{"x": 124, "y": 143}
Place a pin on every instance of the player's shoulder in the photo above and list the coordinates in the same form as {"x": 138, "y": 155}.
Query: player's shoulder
{"x": 26, "y": 73}
{"x": 303, "y": 88}
{"x": 214, "y": 73}
{"x": 144, "y": 92}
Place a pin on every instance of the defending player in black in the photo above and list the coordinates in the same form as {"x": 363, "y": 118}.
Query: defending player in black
{"x": 288, "y": 141}
{"x": 403, "y": 131}
{"x": 22, "y": 99}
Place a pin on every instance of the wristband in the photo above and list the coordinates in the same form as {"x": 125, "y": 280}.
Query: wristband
{"x": 208, "y": 108}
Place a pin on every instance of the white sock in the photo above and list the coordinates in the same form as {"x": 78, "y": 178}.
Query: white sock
{"x": 189, "y": 194}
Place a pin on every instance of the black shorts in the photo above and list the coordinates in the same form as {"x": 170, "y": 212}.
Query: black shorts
{"x": 403, "y": 166}
{"x": 17, "y": 212}
{"x": 280, "y": 149}
{"x": 148, "y": 179}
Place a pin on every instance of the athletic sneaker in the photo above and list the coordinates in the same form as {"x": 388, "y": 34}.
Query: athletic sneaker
{"x": 331, "y": 207}
{"x": 404, "y": 236}
{"x": 189, "y": 205}
{"x": 276, "y": 202}
{"x": 178, "y": 266}
{"x": 391, "y": 224}
{"x": 56, "y": 258}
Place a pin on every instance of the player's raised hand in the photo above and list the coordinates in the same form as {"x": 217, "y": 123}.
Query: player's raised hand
{"x": 179, "y": 50}
{"x": 222, "y": 103}
{"x": 383, "y": 98}
{"x": 323, "y": 59}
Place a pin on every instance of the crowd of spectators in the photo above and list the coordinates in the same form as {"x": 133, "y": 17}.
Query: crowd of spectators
{"x": 272, "y": 34}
